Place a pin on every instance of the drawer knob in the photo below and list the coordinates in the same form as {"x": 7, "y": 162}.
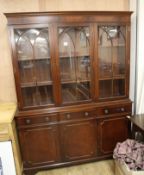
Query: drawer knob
{"x": 68, "y": 116}
{"x": 106, "y": 111}
{"x": 86, "y": 113}
{"x": 122, "y": 109}
{"x": 47, "y": 119}
{"x": 28, "y": 121}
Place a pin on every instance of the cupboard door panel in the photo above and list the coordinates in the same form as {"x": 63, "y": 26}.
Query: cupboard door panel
{"x": 39, "y": 145}
{"x": 111, "y": 131}
{"x": 79, "y": 140}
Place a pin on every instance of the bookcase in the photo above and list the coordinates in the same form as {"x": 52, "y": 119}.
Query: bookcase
{"x": 72, "y": 80}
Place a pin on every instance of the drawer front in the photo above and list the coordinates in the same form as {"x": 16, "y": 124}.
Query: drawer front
{"x": 35, "y": 120}
{"x": 109, "y": 110}
{"x": 75, "y": 115}
{"x": 4, "y": 131}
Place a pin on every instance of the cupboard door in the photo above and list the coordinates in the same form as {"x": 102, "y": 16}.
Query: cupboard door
{"x": 75, "y": 63}
{"x": 111, "y": 131}
{"x": 34, "y": 65}
{"x": 79, "y": 140}
{"x": 112, "y": 45}
{"x": 39, "y": 145}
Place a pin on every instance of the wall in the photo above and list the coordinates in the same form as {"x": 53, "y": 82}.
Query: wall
{"x": 140, "y": 59}
{"x": 133, "y": 8}
{"x": 7, "y": 86}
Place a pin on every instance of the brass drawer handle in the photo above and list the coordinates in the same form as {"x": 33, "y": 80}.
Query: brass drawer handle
{"x": 122, "y": 109}
{"x": 28, "y": 121}
{"x": 47, "y": 119}
{"x": 106, "y": 111}
{"x": 86, "y": 114}
{"x": 68, "y": 116}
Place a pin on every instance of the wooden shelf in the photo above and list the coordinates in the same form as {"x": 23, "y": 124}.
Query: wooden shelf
{"x": 34, "y": 84}
{"x": 69, "y": 97}
{"x": 110, "y": 46}
{"x": 34, "y": 59}
{"x": 112, "y": 78}
{"x": 112, "y": 97}
{"x": 74, "y": 81}
{"x": 75, "y": 56}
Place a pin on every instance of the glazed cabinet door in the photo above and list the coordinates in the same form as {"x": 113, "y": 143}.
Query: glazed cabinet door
{"x": 39, "y": 146}
{"x": 33, "y": 60}
{"x": 79, "y": 140}
{"x": 75, "y": 59}
{"x": 113, "y": 48}
{"x": 110, "y": 131}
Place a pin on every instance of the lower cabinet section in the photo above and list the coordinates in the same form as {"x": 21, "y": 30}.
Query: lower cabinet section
{"x": 72, "y": 137}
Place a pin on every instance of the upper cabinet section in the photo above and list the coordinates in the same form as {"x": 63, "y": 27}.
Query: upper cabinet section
{"x": 66, "y": 58}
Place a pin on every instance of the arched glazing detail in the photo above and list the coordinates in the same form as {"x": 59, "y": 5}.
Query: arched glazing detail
{"x": 32, "y": 46}
{"x": 74, "y": 63}
{"x": 112, "y": 57}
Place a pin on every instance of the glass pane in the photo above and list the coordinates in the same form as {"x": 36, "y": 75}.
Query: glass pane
{"x": 111, "y": 50}
{"x": 111, "y": 53}
{"x": 43, "y": 72}
{"x": 34, "y": 96}
{"x": 27, "y": 73}
{"x": 75, "y": 92}
{"x": 74, "y": 63}
{"x": 45, "y": 95}
{"x": 119, "y": 87}
{"x": 67, "y": 68}
{"x": 105, "y": 88}
{"x": 29, "y": 96}
{"x": 75, "y": 69}
{"x": 34, "y": 65}
{"x": 84, "y": 68}
{"x": 42, "y": 45}
{"x": 104, "y": 53}
{"x": 119, "y": 52}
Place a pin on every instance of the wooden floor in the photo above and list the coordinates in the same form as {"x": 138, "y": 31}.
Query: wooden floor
{"x": 97, "y": 168}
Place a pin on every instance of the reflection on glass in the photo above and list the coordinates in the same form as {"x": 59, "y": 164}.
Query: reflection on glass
{"x": 28, "y": 96}
{"x": 33, "y": 53}
{"x": 119, "y": 62}
{"x": 75, "y": 92}
{"x": 43, "y": 72}
{"x": 105, "y": 55}
{"x": 74, "y": 63}
{"x": 111, "y": 53}
{"x": 27, "y": 72}
{"x": 34, "y": 96}
{"x": 111, "y": 50}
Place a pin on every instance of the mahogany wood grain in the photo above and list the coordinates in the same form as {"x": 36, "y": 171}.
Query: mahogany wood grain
{"x": 61, "y": 134}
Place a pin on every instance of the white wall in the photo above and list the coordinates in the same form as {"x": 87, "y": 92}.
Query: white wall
{"x": 133, "y": 52}
{"x": 140, "y": 59}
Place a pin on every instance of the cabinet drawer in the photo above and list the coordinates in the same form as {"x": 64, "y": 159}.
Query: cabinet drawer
{"x": 32, "y": 120}
{"x": 75, "y": 115}
{"x": 4, "y": 131}
{"x": 108, "y": 110}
